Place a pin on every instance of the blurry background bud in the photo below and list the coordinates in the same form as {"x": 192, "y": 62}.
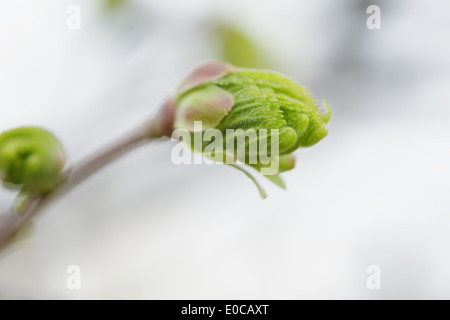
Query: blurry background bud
{"x": 239, "y": 48}
{"x": 31, "y": 158}
{"x": 114, "y": 4}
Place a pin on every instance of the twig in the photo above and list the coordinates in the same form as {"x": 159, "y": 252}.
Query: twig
{"x": 77, "y": 174}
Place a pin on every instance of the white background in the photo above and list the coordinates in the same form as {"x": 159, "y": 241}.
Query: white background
{"x": 374, "y": 192}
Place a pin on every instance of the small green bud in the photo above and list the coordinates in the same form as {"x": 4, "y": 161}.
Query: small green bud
{"x": 31, "y": 158}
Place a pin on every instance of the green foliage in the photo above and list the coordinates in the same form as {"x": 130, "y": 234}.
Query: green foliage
{"x": 267, "y": 100}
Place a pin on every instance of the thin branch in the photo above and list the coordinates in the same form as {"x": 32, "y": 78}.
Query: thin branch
{"x": 77, "y": 174}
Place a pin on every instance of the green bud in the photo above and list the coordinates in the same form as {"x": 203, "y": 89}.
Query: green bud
{"x": 224, "y": 97}
{"x": 31, "y": 158}
{"x": 260, "y": 100}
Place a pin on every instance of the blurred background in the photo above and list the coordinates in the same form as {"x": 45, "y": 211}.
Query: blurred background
{"x": 374, "y": 192}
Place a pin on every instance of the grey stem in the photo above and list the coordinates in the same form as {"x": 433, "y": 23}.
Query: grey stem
{"x": 77, "y": 174}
